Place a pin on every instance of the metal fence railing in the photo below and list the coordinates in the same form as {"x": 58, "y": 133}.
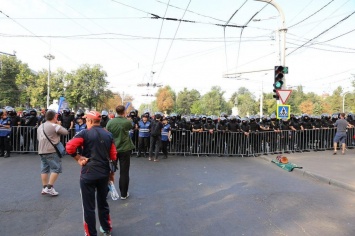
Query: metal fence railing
{"x": 219, "y": 143}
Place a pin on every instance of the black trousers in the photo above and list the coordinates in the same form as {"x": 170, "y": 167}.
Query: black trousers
{"x": 164, "y": 147}
{"x": 125, "y": 162}
{"x": 143, "y": 145}
{"x": 5, "y": 144}
{"x": 155, "y": 143}
{"x": 88, "y": 190}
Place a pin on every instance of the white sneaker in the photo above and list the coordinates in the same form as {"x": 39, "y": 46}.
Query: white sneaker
{"x": 103, "y": 233}
{"x": 50, "y": 191}
{"x": 43, "y": 192}
{"x": 124, "y": 198}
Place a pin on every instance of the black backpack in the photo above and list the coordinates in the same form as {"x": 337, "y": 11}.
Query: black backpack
{"x": 155, "y": 128}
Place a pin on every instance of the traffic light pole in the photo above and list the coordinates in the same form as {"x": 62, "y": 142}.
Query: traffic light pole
{"x": 282, "y": 31}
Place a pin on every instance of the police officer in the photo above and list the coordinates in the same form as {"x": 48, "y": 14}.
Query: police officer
{"x": 15, "y": 128}
{"x": 285, "y": 135}
{"x": 104, "y": 118}
{"x": 255, "y": 139}
{"x": 197, "y": 129}
{"x": 143, "y": 127}
{"x": 308, "y": 135}
{"x": 29, "y": 121}
{"x": 232, "y": 135}
{"x": 265, "y": 133}
{"x": 165, "y": 137}
{"x": 67, "y": 121}
{"x": 208, "y": 141}
{"x": 296, "y": 141}
{"x": 222, "y": 129}
{"x": 275, "y": 127}
{"x": 245, "y": 129}
{"x": 5, "y": 131}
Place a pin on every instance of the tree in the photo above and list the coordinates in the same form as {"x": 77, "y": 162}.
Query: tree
{"x": 185, "y": 99}
{"x": 165, "y": 99}
{"x": 9, "y": 69}
{"x": 245, "y": 101}
{"x": 86, "y": 86}
{"x": 213, "y": 103}
{"x": 306, "y": 107}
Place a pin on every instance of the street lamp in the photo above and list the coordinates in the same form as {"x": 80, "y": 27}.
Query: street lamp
{"x": 49, "y": 57}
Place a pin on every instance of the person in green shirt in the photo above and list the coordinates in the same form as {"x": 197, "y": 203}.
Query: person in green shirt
{"x": 119, "y": 127}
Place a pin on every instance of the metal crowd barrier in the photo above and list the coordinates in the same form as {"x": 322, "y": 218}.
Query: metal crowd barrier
{"x": 218, "y": 143}
{"x": 24, "y": 139}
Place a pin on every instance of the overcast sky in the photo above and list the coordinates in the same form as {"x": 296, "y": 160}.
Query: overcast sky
{"x": 130, "y": 39}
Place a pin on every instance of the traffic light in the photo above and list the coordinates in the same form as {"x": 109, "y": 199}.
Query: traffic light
{"x": 278, "y": 80}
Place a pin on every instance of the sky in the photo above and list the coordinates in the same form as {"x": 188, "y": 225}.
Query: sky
{"x": 136, "y": 43}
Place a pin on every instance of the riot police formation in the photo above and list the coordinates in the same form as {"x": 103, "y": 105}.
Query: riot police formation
{"x": 190, "y": 134}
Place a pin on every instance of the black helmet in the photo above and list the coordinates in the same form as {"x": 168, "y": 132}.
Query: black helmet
{"x": 66, "y": 111}
{"x": 222, "y": 120}
{"x": 208, "y": 119}
{"x": 25, "y": 113}
{"x": 252, "y": 119}
{"x": 79, "y": 113}
{"x": 32, "y": 112}
{"x": 133, "y": 113}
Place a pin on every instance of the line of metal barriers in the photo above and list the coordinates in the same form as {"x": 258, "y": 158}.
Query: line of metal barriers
{"x": 218, "y": 143}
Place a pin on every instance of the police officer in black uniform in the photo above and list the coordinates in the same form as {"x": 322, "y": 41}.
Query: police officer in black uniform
{"x": 308, "y": 135}
{"x": 254, "y": 136}
{"x": 208, "y": 140}
{"x": 222, "y": 129}
{"x": 233, "y": 129}
{"x": 15, "y": 127}
{"x": 245, "y": 142}
{"x": 104, "y": 118}
{"x": 296, "y": 141}
{"x": 197, "y": 129}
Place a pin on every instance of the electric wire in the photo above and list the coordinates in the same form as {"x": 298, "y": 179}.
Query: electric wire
{"x": 43, "y": 41}
{"x": 224, "y": 32}
{"x": 311, "y": 14}
{"x": 155, "y": 16}
{"x": 301, "y": 11}
{"x": 172, "y": 41}
{"x": 323, "y": 43}
{"x": 322, "y": 33}
{"x": 138, "y": 37}
{"x": 86, "y": 29}
{"x": 161, "y": 28}
{"x": 242, "y": 30}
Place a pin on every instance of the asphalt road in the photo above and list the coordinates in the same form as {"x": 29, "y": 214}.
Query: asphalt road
{"x": 180, "y": 196}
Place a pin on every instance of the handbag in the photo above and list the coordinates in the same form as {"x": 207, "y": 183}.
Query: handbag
{"x": 112, "y": 164}
{"x": 59, "y": 147}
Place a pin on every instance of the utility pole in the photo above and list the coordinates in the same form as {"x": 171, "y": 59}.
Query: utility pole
{"x": 282, "y": 31}
{"x": 49, "y": 57}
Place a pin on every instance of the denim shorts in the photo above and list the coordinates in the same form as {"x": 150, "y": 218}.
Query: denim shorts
{"x": 340, "y": 137}
{"x": 51, "y": 163}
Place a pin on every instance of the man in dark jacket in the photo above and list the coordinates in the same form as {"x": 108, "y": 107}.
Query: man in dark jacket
{"x": 98, "y": 150}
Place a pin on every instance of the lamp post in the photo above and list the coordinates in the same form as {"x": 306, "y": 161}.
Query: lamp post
{"x": 344, "y": 101}
{"x": 49, "y": 57}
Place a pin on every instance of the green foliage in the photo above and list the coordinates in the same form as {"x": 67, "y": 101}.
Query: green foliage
{"x": 10, "y": 68}
{"x": 185, "y": 100}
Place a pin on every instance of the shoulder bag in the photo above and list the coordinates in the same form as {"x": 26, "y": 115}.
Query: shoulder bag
{"x": 59, "y": 147}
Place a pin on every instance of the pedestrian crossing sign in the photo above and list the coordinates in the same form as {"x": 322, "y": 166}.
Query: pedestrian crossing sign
{"x": 283, "y": 111}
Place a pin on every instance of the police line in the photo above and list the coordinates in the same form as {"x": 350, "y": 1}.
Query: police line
{"x": 219, "y": 143}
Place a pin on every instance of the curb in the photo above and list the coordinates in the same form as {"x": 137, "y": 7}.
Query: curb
{"x": 318, "y": 177}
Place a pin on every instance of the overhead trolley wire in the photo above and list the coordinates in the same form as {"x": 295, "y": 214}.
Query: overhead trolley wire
{"x": 322, "y": 33}
{"x": 155, "y": 16}
{"x": 36, "y": 36}
{"x": 171, "y": 44}
{"x": 311, "y": 14}
{"x": 161, "y": 28}
{"x": 224, "y": 32}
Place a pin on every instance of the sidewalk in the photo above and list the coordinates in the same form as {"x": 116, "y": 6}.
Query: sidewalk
{"x": 337, "y": 170}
